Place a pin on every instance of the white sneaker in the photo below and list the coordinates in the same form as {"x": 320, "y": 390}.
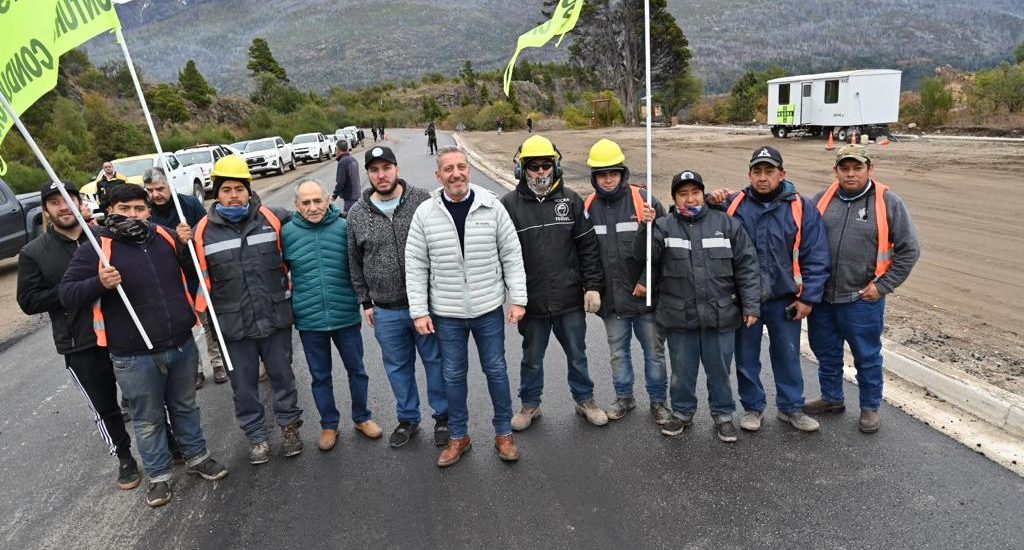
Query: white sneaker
{"x": 751, "y": 421}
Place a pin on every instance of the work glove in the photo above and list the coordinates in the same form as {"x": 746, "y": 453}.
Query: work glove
{"x": 591, "y": 301}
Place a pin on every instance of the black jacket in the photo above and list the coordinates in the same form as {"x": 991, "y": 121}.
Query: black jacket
{"x": 167, "y": 215}
{"x": 560, "y": 249}
{"x": 41, "y": 266}
{"x": 708, "y": 272}
{"x": 151, "y": 277}
{"x": 347, "y": 178}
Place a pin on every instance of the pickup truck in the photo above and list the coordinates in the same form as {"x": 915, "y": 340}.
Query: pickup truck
{"x": 204, "y": 156}
{"x": 21, "y": 220}
{"x": 270, "y": 154}
{"x": 187, "y": 180}
{"x": 311, "y": 147}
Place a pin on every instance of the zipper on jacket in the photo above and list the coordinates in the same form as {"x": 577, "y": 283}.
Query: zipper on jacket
{"x": 839, "y": 246}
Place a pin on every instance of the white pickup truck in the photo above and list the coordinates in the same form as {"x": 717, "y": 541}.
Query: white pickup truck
{"x": 311, "y": 147}
{"x": 270, "y": 154}
{"x": 187, "y": 180}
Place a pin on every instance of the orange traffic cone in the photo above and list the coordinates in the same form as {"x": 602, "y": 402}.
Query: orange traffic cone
{"x": 885, "y": 141}
{"x": 830, "y": 145}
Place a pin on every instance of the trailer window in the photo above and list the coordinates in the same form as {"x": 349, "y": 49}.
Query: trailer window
{"x": 783, "y": 94}
{"x": 831, "y": 91}
{"x": 807, "y": 90}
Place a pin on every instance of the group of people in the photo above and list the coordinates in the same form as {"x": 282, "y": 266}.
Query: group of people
{"x": 426, "y": 269}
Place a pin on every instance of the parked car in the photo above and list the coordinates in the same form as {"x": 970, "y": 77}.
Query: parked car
{"x": 203, "y": 156}
{"x": 348, "y": 133}
{"x": 187, "y": 180}
{"x": 21, "y": 220}
{"x": 268, "y": 155}
{"x": 332, "y": 143}
{"x": 310, "y": 147}
{"x": 238, "y": 146}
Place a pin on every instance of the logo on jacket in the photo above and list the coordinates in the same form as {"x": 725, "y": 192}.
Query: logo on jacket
{"x": 562, "y": 212}
{"x": 719, "y": 234}
{"x": 862, "y": 214}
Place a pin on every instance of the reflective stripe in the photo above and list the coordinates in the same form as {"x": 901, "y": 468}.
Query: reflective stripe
{"x": 675, "y": 242}
{"x": 716, "y": 242}
{"x": 222, "y": 246}
{"x": 255, "y": 239}
{"x": 601, "y": 229}
{"x": 98, "y": 324}
{"x": 623, "y": 227}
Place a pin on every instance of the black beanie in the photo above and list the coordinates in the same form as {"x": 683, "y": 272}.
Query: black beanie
{"x": 217, "y": 182}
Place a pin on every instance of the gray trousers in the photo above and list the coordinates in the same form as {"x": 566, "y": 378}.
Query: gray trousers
{"x": 276, "y": 352}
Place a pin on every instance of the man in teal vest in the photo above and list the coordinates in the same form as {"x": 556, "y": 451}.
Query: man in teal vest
{"x": 325, "y": 307}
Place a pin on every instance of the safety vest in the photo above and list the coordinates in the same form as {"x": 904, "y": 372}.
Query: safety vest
{"x": 198, "y": 239}
{"x": 99, "y": 326}
{"x": 884, "y": 257}
{"x": 797, "y": 208}
{"x": 638, "y": 202}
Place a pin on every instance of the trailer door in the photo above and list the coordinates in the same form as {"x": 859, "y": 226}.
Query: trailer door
{"x": 805, "y": 103}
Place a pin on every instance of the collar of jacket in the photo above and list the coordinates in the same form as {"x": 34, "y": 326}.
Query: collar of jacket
{"x": 106, "y": 232}
{"x": 367, "y": 203}
{"x": 332, "y": 215}
{"x": 675, "y": 212}
{"x": 482, "y": 198}
{"x": 788, "y": 193}
{"x": 525, "y": 192}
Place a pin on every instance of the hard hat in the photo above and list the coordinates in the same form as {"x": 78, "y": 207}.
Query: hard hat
{"x": 604, "y": 154}
{"x": 231, "y": 167}
{"x": 538, "y": 146}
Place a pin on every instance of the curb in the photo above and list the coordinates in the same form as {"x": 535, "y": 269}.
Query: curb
{"x": 998, "y": 407}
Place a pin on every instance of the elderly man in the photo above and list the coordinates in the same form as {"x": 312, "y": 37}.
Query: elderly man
{"x": 147, "y": 261}
{"x": 347, "y": 177}
{"x": 457, "y": 282}
{"x": 325, "y": 306}
{"x": 163, "y": 212}
{"x": 239, "y": 248}
{"x": 874, "y": 247}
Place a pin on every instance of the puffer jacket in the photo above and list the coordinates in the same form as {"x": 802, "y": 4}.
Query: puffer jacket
{"x": 249, "y": 286}
{"x": 317, "y": 257}
{"x": 773, "y": 230}
{"x": 442, "y": 279}
{"x": 706, "y": 271}
{"x": 376, "y": 248}
{"x": 563, "y": 259}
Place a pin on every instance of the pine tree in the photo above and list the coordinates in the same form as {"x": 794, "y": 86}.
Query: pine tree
{"x": 194, "y": 87}
{"x": 261, "y": 61}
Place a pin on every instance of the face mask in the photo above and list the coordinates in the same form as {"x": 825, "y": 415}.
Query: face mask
{"x": 692, "y": 211}
{"x": 128, "y": 228}
{"x": 233, "y": 214}
{"x": 540, "y": 186}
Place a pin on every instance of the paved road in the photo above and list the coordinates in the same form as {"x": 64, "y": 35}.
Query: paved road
{"x": 576, "y": 486}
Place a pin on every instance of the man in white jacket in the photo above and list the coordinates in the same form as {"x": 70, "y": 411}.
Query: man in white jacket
{"x": 471, "y": 261}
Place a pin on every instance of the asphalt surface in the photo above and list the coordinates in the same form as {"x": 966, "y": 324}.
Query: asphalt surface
{"x": 576, "y": 486}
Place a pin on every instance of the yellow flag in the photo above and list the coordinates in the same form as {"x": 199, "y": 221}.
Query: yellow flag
{"x": 35, "y": 34}
{"x": 561, "y": 22}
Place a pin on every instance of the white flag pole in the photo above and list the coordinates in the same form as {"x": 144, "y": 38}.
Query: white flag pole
{"x": 650, "y": 170}
{"x": 78, "y": 215}
{"x": 174, "y": 197}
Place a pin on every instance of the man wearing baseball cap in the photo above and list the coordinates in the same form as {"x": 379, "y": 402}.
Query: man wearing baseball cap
{"x": 378, "y": 226}
{"x": 708, "y": 286}
{"x": 792, "y": 250}
{"x": 874, "y": 247}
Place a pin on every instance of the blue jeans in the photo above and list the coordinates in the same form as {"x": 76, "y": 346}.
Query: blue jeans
{"x": 860, "y": 324}
{"x": 158, "y": 385}
{"x": 688, "y": 349}
{"x": 619, "y": 344}
{"x": 399, "y": 342}
{"x": 571, "y": 331}
{"x": 317, "y": 347}
{"x": 784, "y": 351}
{"x": 489, "y": 334}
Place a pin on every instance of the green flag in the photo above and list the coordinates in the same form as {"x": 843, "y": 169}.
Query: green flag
{"x": 561, "y": 22}
{"x": 35, "y": 34}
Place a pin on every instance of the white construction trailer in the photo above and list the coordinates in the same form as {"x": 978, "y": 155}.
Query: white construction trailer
{"x": 842, "y": 103}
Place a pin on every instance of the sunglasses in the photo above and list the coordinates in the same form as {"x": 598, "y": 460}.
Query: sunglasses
{"x": 537, "y": 166}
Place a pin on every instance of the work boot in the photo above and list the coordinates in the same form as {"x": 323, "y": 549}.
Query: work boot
{"x": 441, "y": 433}
{"x": 403, "y": 433}
{"x": 454, "y": 451}
{"x": 370, "y": 429}
{"x": 292, "y": 443}
{"x": 200, "y": 380}
{"x": 676, "y": 425}
{"x": 220, "y": 374}
{"x": 751, "y": 420}
{"x": 128, "y": 473}
{"x": 620, "y": 407}
{"x": 726, "y": 431}
{"x": 159, "y": 493}
{"x": 592, "y": 412}
{"x": 870, "y": 421}
{"x": 822, "y": 406}
{"x": 259, "y": 453}
{"x": 799, "y": 420}
{"x": 522, "y": 419}
{"x": 507, "y": 449}
{"x": 660, "y": 412}
{"x": 328, "y": 437}
{"x": 208, "y": 469}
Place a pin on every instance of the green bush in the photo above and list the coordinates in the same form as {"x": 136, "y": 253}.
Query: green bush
{"x": 464, "y": 115}
{"x": 25, "y": 179}
{"x": 575, "y": 117}
{"x": 487, "y": 118}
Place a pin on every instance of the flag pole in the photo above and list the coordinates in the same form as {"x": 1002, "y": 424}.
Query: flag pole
{"x": 59, "y": 185}
{"x": 650, "y": 171}
{"x": 174, "y": 197}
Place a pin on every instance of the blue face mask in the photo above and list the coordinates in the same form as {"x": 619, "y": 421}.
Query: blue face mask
{"x": 233, "y": 214}
{"x": 692, "y": 211}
